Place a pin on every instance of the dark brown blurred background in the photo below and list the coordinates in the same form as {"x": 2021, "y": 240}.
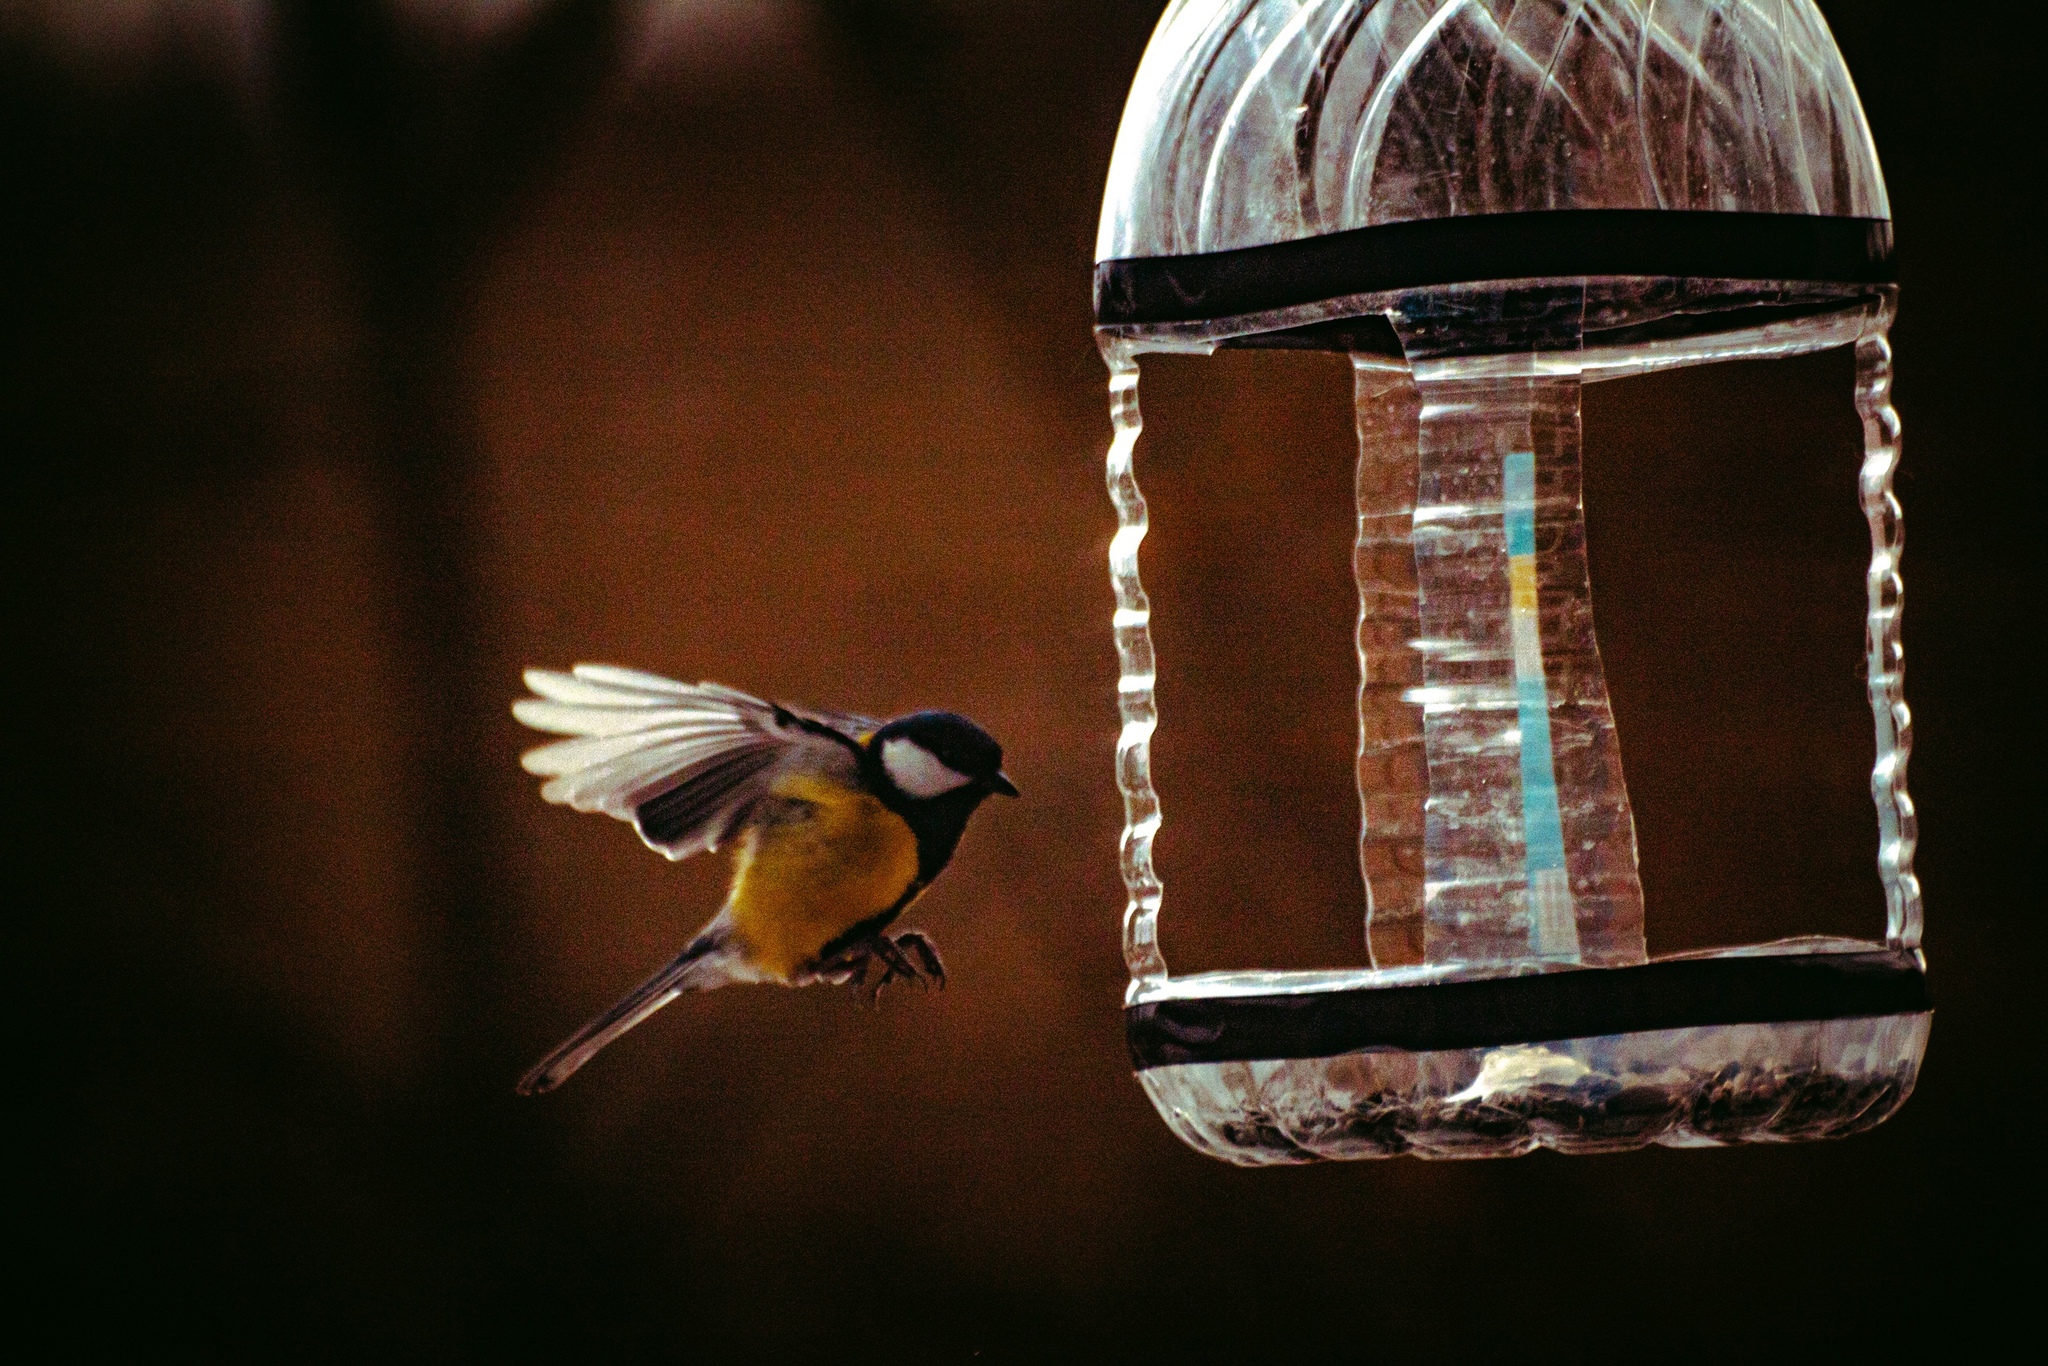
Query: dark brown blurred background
{"x": 362, "y": 354}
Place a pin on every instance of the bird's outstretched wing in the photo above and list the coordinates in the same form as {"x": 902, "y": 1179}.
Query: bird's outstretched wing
{"x": 684, "y": 762}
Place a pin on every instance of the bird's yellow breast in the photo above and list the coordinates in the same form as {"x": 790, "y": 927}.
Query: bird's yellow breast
{"x": 803, "y": 882}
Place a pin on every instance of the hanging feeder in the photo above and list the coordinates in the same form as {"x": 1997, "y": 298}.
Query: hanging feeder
{"x": 1488, "y": 205}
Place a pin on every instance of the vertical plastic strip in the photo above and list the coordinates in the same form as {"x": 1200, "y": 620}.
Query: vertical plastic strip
{"x": 1139, "y": 673}
{"x": 1393, "y": 769}
{"x": 1529, "y": 842}
{"x": 1553, "y": 933}
{"x": 1897, "y": 824}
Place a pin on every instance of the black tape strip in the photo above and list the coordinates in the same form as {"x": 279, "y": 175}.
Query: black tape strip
{"x": 1558, "y": 1005}
{"x": 1558, "y": 243}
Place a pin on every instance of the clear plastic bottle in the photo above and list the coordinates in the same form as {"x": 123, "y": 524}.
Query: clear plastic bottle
{"x": 1489, "y": 205}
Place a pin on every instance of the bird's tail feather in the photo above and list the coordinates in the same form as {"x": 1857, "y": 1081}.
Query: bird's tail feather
{"x": 697, "y": 968}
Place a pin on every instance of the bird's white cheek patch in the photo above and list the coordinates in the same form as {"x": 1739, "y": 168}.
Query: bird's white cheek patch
{"x": 917, "y": 770}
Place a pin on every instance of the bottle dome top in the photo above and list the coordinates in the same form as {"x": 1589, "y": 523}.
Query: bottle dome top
{"x": 1401, "y": 143}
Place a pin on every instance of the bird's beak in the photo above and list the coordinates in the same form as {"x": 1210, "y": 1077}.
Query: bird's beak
{"x": 1001, "y": 783}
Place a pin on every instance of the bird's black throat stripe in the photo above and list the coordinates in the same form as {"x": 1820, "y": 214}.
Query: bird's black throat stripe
{"x": 937, "y": 822}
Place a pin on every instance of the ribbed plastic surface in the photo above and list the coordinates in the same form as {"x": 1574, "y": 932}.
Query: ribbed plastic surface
{"x": 1253, "y": 122}
{"x": 1681, "y": 1088}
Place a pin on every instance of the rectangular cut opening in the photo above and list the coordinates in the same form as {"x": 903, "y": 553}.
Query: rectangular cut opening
{"x": 1488, "y": 761}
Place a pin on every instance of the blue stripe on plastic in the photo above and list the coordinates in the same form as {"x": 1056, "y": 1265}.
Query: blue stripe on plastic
{"x": 1542, "y": 831}
{"x": 1518, "y": 495}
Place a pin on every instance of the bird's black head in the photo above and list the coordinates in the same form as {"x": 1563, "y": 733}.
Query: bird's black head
{"x": 932, "y": 754}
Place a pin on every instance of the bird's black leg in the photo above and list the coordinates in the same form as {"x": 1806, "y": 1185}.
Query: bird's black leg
{"x": 927, "y": 953}
{"x": 907, "y": 957}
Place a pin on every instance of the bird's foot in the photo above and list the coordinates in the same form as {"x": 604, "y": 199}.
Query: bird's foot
{"x": 897, "y": 965}
{"x": 914, "y": 942}
{"x": 906, "y": 957}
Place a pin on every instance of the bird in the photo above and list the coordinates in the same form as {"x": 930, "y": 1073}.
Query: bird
{"x": 841, "y": 822}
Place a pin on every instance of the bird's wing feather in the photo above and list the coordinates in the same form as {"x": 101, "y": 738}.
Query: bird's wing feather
{"x": 684, "y": 762}
{"x": 845, "y": 722}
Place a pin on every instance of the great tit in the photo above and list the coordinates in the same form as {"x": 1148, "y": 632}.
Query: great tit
{"x": 841, "y": 821}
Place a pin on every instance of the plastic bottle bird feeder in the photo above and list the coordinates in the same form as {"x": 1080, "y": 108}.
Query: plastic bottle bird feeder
{"x": 1488, "y": 205}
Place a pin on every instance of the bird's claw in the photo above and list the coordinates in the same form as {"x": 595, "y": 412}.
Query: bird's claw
{"x": 907, "y": 957}
{"x": 915, "y": 942}
{"x": 895, "y": 962}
